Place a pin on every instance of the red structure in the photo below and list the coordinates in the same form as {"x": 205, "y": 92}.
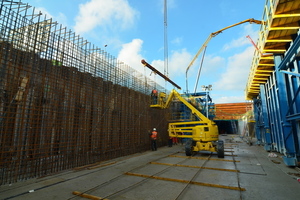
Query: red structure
{"x": 231, "y": 111}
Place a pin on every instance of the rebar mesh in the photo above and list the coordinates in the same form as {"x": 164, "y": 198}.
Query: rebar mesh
{"x": 64, "y": 102}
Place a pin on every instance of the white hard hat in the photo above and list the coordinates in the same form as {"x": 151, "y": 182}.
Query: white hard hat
{"x": 154, "y": 129}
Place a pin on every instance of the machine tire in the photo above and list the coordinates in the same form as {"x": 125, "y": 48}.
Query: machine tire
{"x": 220, "y": 149}
{"x": 188, "y": 148}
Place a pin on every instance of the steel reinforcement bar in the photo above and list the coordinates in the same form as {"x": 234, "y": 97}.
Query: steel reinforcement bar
{"x": 64, "y": 102}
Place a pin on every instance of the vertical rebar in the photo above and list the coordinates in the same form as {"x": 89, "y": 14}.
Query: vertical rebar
{"x": 64, "y": 102}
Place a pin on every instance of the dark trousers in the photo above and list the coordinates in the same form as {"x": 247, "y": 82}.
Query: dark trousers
{"x": 154, "y": 99}
{"x": 170, "y": 142}
{"x": 153, "y": 145}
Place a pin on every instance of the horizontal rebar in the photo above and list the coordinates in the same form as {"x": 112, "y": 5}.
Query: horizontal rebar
{"x": 64, "y": 102}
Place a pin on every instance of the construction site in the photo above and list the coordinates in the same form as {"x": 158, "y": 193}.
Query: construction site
{"x": 76, "y": 123}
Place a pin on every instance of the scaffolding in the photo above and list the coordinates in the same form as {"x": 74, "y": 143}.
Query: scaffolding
{"x": 64, "y": 102}
{"x": 274, "y": 80}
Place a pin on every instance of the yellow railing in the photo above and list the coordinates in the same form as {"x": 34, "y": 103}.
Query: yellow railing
{"x": 267, "y": 17}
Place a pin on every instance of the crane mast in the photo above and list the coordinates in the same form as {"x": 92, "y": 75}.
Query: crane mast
{"x": 166, "y": 60}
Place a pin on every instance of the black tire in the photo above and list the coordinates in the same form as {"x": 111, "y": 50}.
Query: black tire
{"x": 188, "y": 147}
{"x": 220, "y": 149}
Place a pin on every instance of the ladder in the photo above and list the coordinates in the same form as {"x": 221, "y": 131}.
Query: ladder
{"x": 233, "y": 127}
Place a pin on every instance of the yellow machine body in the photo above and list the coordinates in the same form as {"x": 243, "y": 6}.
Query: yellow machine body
{"x": 203, "y": 134}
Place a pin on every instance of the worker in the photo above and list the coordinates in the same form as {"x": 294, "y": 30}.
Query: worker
{"x": 154, "y": 95}
{"x": 170, "y": 142}
{"x": 153, "y": 139}
{"x": 175, "y": 140}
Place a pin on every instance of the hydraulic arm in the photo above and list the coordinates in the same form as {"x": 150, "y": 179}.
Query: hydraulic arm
{"x": 163, "y": 104}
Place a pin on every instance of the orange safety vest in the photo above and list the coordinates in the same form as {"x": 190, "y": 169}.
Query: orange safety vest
{"x": 154, "y": 92}
{"x": 154, "y": 135}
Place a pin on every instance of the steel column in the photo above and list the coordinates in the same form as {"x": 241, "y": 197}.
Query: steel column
{"x": 286, "y": 128}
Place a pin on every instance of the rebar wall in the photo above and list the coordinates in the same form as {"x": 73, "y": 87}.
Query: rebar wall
{"x": 64, "y": 102}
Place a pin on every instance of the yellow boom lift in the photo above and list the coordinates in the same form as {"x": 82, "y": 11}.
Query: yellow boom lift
{"x": 202, "y": 133}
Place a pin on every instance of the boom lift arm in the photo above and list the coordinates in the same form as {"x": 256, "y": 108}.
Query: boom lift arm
{"x": 174, "y": 94}
{"x": 213, "y": 35}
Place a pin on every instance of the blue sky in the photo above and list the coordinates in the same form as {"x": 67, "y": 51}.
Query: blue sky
{"x": 134, "y": 30}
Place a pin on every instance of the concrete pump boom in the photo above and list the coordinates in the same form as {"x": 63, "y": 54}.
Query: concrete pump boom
{"x": 213, "y": 35}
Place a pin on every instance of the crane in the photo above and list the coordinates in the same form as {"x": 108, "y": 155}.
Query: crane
{"x": 210, "y": 37}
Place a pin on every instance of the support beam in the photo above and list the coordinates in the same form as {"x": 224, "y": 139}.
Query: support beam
{"x": 159, "y": 73}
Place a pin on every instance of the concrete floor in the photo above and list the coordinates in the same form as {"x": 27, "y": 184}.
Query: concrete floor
{"x": 246, "y": 172}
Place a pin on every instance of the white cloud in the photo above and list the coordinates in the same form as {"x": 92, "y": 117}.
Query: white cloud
{"x": 130, "y": 54}
{"x": 252, "y": 30}
{"x": 229, "y": 99}
{"x": 237, "y": 72}
{"x": 115, "y": 14}
{"x": 213, "y": 64}
{"x": 44, "y": 12}
{"x": 211, "y": 69}
{"x": 248, "y": 29}
{"x": 159, "y": 65}
{"x": 239, "y": 42}
{"x": 177, "y": 65}
{"x": 232, "y": 80}
{"x": 178, "y": 62}
{"x": 62, "y": 19}
{"x": 177, "y": 41}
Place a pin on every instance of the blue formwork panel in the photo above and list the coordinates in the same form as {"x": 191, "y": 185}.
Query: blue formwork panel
{"x": 287, "y": 95}
{"x": 266, "y": 131}
{"x": 288, "y": 91}
{"x": 258, "y": 120}
{"x": 277, "y": 110}
{"x": 262, "y": 128}
{"x": 273, "y": 107}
